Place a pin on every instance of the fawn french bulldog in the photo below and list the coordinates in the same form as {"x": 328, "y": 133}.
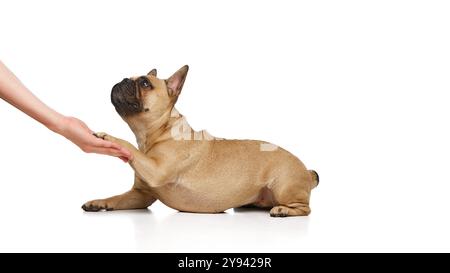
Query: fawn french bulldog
{"x": 193, "y": 171}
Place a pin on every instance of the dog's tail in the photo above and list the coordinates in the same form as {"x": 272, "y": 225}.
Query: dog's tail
{"x": 315, "y": 178}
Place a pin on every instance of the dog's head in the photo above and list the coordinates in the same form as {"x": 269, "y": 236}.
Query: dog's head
{"x": 147, "y": 97}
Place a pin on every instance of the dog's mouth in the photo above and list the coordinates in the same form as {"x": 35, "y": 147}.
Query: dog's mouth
{"x": 125, "y": 98}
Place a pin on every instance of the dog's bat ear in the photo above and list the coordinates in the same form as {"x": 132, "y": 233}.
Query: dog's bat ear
{"x": 176, "y": 81}
{"x": 152, "y": 72}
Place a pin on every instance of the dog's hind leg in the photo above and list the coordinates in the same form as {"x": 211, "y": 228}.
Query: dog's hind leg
{"x": 293, "y": 209}
{"x": 292, "y": 197}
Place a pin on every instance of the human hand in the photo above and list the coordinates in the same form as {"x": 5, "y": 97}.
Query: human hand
{"x": 79, "y": 133}
{"x": 13, "y": 91}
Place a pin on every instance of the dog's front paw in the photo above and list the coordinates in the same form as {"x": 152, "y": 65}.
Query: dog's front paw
{"x": 96, "y": 205}
{"x": 119, "y": 141}
{"x": 101, "y": 135}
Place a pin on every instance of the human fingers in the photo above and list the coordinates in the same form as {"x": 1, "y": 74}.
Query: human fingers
{"x": 105, "y": 151}
{"x": 124, "y": 159}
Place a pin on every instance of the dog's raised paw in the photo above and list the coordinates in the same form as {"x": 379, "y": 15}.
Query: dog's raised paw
{"x": 100, "y": 135}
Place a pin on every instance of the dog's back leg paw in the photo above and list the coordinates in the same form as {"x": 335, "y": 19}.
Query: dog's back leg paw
{"x": 292, "y": 210}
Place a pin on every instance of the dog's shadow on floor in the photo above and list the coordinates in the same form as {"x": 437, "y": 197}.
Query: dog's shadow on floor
{"x": 211, "y": 232}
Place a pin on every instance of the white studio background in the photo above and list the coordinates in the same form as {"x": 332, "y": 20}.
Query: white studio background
{"x": 358, "y": 90}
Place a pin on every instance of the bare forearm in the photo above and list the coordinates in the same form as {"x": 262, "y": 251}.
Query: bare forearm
{"x": 14, "y": 92}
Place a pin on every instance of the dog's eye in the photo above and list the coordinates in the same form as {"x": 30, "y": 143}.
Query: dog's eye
{"x": 144, "y": 83}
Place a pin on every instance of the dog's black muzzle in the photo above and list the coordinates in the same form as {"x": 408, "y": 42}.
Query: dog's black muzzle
{"x": 125, "y": 98}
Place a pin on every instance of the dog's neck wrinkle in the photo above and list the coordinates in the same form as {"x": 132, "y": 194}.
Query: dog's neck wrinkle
{"x": 153, "y": 136}
{"x": 144, "y": 132}
{"x": 156, "y": 131}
